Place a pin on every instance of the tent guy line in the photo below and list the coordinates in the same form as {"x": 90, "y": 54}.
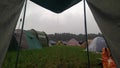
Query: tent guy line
{"x": 86, "y": 32}
{"x": 21, "y": 34}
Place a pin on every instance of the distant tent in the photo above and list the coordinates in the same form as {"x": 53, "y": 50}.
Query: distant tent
{"x": 64, "y": 42}
{"x": 73, "y": 42}
{"x": 84, "y": 44}
{"x": 51, "y": 42}
{"x": 29, "y": 40}
{"x": 97, "y": 44}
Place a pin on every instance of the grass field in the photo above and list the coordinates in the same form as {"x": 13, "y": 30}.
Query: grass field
{"x": 52, "y": 57}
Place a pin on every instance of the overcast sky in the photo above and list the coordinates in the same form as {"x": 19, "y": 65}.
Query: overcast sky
{"x": 69, "y": 21}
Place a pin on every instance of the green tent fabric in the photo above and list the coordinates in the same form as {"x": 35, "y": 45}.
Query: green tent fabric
{"x": 9, "y": 14}
{"x": 56, "y": 6}
{"x": 29, "y": 40}
{"x": 107, "y": 16}
{"x": 41, "y": 36}
{"x": 33, "y": 42}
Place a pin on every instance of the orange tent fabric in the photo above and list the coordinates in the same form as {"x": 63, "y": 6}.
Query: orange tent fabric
{"x": 107, "y": 60}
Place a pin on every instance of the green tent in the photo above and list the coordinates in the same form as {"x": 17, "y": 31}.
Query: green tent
{"x": 29, "y": 40}
{"x": 32, "y": 41}
{"x": 41, "y": 36}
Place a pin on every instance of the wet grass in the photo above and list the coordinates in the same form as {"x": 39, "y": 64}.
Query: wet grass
{"x": 52, "y": 57}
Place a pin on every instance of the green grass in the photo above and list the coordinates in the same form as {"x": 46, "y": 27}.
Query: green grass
{"x": 52, "y": 57}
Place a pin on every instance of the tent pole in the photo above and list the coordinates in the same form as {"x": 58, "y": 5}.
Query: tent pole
{"x": 19, "y": 43}
{"x": 86, "y": 34}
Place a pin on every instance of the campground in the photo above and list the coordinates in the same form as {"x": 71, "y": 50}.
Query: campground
{"x": 58, "y": 56}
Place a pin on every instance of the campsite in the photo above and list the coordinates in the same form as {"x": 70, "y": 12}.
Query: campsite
{"x": 57, "y": 55}
{"x": 59, "y": 34}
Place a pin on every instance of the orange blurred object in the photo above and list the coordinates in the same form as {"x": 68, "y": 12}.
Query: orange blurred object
{"x": 107, "y": 60}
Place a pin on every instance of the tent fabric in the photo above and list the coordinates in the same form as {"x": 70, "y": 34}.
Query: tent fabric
{"x": 43, "y": 38}
{"x": 51, "y": 42}
{"x": 73, "y": 42}
{"x": 107, "y": 16}
{"x": 33, "y": 42}
{"x": 9, "y": 14}
{"x": 97, "y": 44}
{"x": 56, "y": 6}
{"x": 84, "y": 44}
{"x": 29, "y": 40}
{"x": 24, "y": 44}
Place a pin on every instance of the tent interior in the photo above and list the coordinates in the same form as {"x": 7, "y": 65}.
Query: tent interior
{"x": 106, "y": 14}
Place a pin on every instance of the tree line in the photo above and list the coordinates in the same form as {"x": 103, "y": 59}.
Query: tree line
{"x": 68, "y": 36}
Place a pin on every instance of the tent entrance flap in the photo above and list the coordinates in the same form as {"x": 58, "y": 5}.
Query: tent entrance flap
{"x": 56, "y": 6}
{"x": 107, "y": 16}
{"x": 9, "y": 14}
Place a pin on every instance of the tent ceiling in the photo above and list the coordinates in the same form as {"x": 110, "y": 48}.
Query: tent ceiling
{"x": 56, "y": 6}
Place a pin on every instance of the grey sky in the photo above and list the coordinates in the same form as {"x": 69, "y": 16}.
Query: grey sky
{"x": 71, "y": 20}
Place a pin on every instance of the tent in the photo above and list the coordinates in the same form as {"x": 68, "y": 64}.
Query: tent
{"x": 24, "y": 44}
{"x": 32, "y": 41}
{"x": 97, "y": 44}
{"x": 51, "y": 42}
{"x": 84, "y": 44}
{"x": 41, "y": 36}
{"x": 29, "y": 40}
{"x": 73, "y": 42}
{"x": 106, "y": 14}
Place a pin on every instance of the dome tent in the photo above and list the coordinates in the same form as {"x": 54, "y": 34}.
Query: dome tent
{"x": 73, "y": 42}
{"x": 41, "y": 36}
{"x": 84, "y": 44}
{"x": 30, "y": 40}
{"x": 97, "y": 44}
